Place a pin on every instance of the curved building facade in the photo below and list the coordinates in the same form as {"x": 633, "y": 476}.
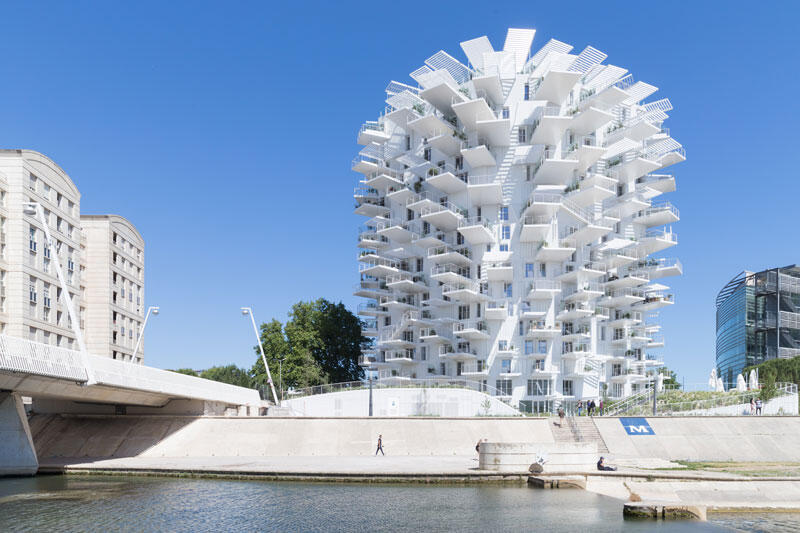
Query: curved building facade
{"x": 515, "y": 230}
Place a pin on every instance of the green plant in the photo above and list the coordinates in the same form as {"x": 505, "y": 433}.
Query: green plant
{"x": 433, "y": 171}
{"x": 418, "y": 186}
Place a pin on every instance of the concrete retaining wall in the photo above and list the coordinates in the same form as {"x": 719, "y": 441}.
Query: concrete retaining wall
{"x": 17, "y": 456}
{"x": 518, "y": 456}
{"x": 401, "y": 402}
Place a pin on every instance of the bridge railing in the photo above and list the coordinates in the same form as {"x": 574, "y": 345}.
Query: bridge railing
{"x": 24, "y": 356}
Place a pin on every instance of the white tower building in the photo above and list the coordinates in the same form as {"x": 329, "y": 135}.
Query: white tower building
{"x": 511, "y": 226}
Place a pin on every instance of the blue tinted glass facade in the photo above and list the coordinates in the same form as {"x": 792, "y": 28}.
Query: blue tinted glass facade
{"x": 736, "y": 333}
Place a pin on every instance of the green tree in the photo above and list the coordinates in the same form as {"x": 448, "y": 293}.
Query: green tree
{"x": 298, "y": 369}
{"x": 230, "y": 374}
{"x": 670, "y": 378}
{"x": 187, "y": 371}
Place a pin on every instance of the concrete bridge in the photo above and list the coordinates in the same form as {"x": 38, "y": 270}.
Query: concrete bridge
{"x": 58, "y": 380}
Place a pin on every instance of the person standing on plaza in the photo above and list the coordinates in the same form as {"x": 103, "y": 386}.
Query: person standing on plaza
{"x": 601, "y": 407}
{"x": 752, "y": 406}
{"x": 758, "y": 406}
{"x": 380, "y": 445}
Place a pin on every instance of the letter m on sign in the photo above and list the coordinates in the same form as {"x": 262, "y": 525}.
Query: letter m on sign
{"x": 636, "y": 426}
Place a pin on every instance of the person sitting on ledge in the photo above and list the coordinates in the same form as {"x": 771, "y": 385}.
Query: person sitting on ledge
{"x": 602, "y": 466}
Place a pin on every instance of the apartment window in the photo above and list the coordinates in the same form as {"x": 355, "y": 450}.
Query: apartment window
{"x": 32, "y": 290}
{"x": 566, "y": 387}
{"x": 443, "y": 369}
{"x": 479, "y": 271}
{"x": 459, "y": 162}
{"x": 502, "y": 345}
{"x": 527, "y": 173}
{"x": 504, "y": 213}
{"x": 459, "y": 239}
{"x": 507, "y": 290}
{"x": 32, "y": 182}
{"x": 419, "y": 264}
{"x": 538, "y": 387}
{"x": 542, "y": 347}
{"x": 522, "y": 134}
{"x": 505, "y": 366}
{"x": 463, "y": 312}
{"x": 32, "y": 240}
{"x": 408, "y": 142}
{"x": 527, "y": 95}
{"x": 616, "y": 369}
{"x": 521, "y": 327}
{"x": 46, "y": 294}
{"x": 503, "y": 387}
{"x": 409, "y": 214}
{"x": 505, "y": 232}
{"x": 542, "y": 270}
{"x": 528, "y": 347}
{"x": 528, "y": 270}
{"x": 504, "y": 247}
{"x": 603, "y": 333}
{"x": 426, "y": 154}
{"x": 423, "y": 353}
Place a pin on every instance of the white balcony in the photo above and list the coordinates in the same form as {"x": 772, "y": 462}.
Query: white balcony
{"x": 429, "y": 240}
{"x": 538, "y": 330}
{"x": 490, "y": 86}
{"x": 632, "y": 166}
{"x": 446, "y": 141}
{"x": 581, "y": 334}
{"x": 476, "y": 230}
{"x": 590, "y": 120}
{"x": 655, "y": 300}
{"x": 556, "y": 85}
{"x": 554, "y": 253}
{"x": 661, "y": 267}
{"x": 371, "y": 309}
{"x": 365, "y": 165}
{"x": 406, "y": 283}
{"x": 591, "y": 190}
{"x": 510, "y": 368}
{"x": 459, "y": 352}
{"x": 371, "y": 207}
{"x": 424, "y": 199}
{"x": 471, "y": 329}
{"x": 543, "y": 205}
{"x": 543, "y": 289}
{"x": 622, "y": 297}
{"x": 575, "y": 311}
{"x": 656, "y": 240}
{"x": 496, "y": 131}
{"x": 400, "y": 357}
{"x": 371, "y": 240}
{"x": 470, "y": 112}
{"x": 464, "y": 292}
{"x": 379, "y": 268}
{"x": 496, "y": 311}
{"x": 383, "y": 180}
{"x": 577, "y": 351}
{"x": 553, "y": 169}
{"x": 549, "y": 125}
{"x": 447, "y": 180}
{"x": 445, "y": 216}
{"x": 372, "y": 132}
{"x": 478, "y": 368}
{"x": 583, "y": 293}
{"x": 430, "y": 125}
{"x": 536, "y": 311}
{"x": 658, "y": 215}
{"x": 451, "y": 273}
{"x": 605, "y": 99}
{"x": 662, "y": 183}
{"x": 478, "y": 156}
{"x": 399, "y": 196}
{"x": 398, "y": 302}
{"x": 626, "y": 280}
{"x": 448, "y": 254}
{"x": 584, "y": 234}
{"x": 535, "y": 228}
{"x": 442, "y": 97}
{"x": 583, "y": 270}
{"x": 395, "y": 230}
{"x": 433, "y": 335}
{"x": 485, "y": 189}
{"x": 371, "y": 289}
{"x": 499, "y": 271}
{"x": 585, "y": 152}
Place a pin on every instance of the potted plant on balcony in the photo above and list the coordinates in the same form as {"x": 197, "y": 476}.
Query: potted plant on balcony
{"x": 433, "y": 171}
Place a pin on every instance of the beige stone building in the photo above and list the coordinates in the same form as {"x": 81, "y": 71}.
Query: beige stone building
{"x": 114, "y": 286}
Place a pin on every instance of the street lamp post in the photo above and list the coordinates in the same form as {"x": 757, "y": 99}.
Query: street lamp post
{"x": 280, "y": 376}
{"x": 35, "y": 209}
{"x": 249, "y": 311}
{"x": 150, "y": 309}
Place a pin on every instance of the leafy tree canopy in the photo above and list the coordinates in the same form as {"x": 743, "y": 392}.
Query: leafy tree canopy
{"x": 187, "y": 371}
{"x": 230, "y": 374}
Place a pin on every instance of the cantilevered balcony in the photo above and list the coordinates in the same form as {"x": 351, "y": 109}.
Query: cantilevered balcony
{"x": 447, "y": 140}
{"x": 542, "y": 329}
{"x": 655, "y": 240}
{"x": 371, "y": 309}
{"x": 372, "y": 132}
{"x": 589, "y": 120}
{"x": 543, "y": 205}
{"x": 535, "y": 228}
{"x": 484, "y": 189}
{"x": 383, "y": 180}
{"x": 401, "y": 356}
{"x": 471, "y": 111}
{"x": 585, "y": 151}
{"x": 584, "y": 292}
{"x": 549, "y": 125}
{"x": 395, "y": 230}
{"x": 379, "y": 268}
{"x": 510, "y": 368}
{"x": 406, "y": 282}
{"x": 657, "y": 215}
{"x": 451, "y": 273}
{"x": 534, "y": 311}
{"x": 635, "y": 130}
{"x": 604, "y": 99}
{"x": 579, "y": 333}
{"x": 574, "y": 311}
{"x": 471, "y": 329}
{"x": 554, "y": 86}
{"x": 478, "y": 154}
{"x": 399, "y": 302}
{"x": 431, "y": 239}
{"x": 543, "y": 289}
{"x": 431, "y": 125}
{"x": 655, "y": 300}
{"x": 496, "y": 310}
{"x": 445, "y": 216}
{"x": 661, "y": 267}
{"x": 496, "y": 131}
{"x": 499, "y": 271}
{"x": 477, "y": 368}
{"x": 370, "y": 239}
{"x": 434, "y": 335}
{"x": 449, "y": 254}
{"x": 589, "y": 190}
{"x": 632, "y": 165}
{"x": 369, "y": 203}
{"x": 626, "y": 279}
{"x": 582, "y": 234}
{"x": 476, "y": 230}
{"x": 490, "y": 86}
{"x": 446, "y": 178}
{"x": 554, "y": 169}
{"x": 573, "y": 351}
{"x": 464, "y": 292}
{"x": 662, "y": 183}
{"x": 443, "y": 96}
{"x": 461, "y": 351}
{"x": 554, "y": 253}
{"x": 585, "y": 270}
{"x": 371, "y": 289}
{"x": 622, "y": 297}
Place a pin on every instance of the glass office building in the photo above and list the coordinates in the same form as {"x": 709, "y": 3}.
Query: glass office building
{"x": 758, "y": 318}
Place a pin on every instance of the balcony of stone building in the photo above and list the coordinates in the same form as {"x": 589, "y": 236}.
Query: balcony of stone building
{"x": 380, "y": 267}
{"x": 371, "y": 309}
{"x": 405, "y": 282}
{"x": 370, "y": 289}
{"x": 590, "y": 189}
{"x": 621, "y": 297}
{"x": 450, "y": 254}
{"x": 548, "y": 125}
{"x": 460, "y": 351}
{"x": 476, "y": 230}
{"x": 473, "y": 329}
{"x": 662, "y": 183}
{"x": 369, "y": 204}
{"x": 553, "y": 86}
{"x": 584, "y": 270}
{"x": 511, "y": 368}
{"x": 622, "y": 280}
{"x": 543, "y": 289}
{"x": 469, "y": 112}
{"x": 478, "y": 154}
{"x": 446, "y": 178}
{"x": 496, "y": 310}
{"x": 383, "y": 179}
{"x": 398, "y": 302}
{"x": 655, "y": 300}
{"x": 451, "y": 273}
{"x": 484, "y": 189}
{"x": 497, "y": 131}
{"x": 575, "y": 350}
{"x": 396, "y": 230}
{"x": 534, "y": 228}
{"x": 657, "y": 215}
{"x": 554, "y": 252}
{"x": 445, "y": 215}
{"x": 372, "y": 132}
{"x": 554, "y": 168}
{"x": 542, "y": 329}
{"x": 583, "y": 292}
{"x": 499, "y": 271}
{"x": 476, "y": 368}
{"x": 465, "y": 292}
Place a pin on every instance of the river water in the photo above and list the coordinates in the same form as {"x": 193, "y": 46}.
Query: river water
{"x": 108, "y": 503}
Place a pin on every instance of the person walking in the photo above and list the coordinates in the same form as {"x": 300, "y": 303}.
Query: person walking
{"x": 580, "y": 408}
{"x": 380, "y": 445}
{"x": 601, "y": 407}
{"x": 752, "y": 406}
{"x": 758, "y": 406}
{"x": 561, "y": 415}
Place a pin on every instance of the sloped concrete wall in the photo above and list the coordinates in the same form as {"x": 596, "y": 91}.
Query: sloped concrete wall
{"x": 17, "y": 455}
{"x": 401, "y": 402}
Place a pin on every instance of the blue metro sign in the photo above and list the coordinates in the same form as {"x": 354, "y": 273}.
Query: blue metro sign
{"x": 636, "y": 426}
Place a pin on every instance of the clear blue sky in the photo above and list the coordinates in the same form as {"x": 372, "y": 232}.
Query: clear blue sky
{"x": 225, "y": 131}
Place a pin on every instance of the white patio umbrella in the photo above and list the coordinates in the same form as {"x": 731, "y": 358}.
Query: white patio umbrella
{"x": 712, "y": 379}
{"x": 720, "y": 386}
{"x": 741, "y": 384}
{"x": 753, "y": 380}
{"x": 660, "y": 383}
